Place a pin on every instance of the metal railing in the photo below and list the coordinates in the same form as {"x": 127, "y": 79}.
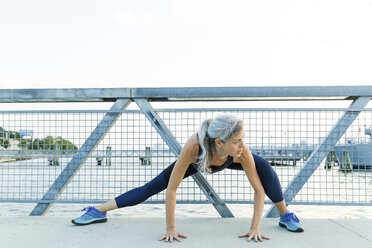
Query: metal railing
{"x": 322, "y": 156}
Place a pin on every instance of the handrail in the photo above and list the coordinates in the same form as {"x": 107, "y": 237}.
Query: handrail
{"x": 186, "y": 94}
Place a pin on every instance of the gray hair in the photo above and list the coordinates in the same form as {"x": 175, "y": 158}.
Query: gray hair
{"x": 223, "y": 127}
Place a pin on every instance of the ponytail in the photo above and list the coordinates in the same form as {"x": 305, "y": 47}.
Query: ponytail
{"x": 206, "y": 155}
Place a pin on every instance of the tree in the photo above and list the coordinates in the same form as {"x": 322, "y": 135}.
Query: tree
{"x": 25, "y": 143}
{"x": 2, "y": 133}
{"x": 5, "y": 144}
{"x": 14, "y": 135}
{"x": 49, "y": 143}
{"x": 65, "y": 145}
{"x": 36, "y": 144}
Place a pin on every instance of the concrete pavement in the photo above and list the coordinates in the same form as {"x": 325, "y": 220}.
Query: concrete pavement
{"x": 53, "y": 232}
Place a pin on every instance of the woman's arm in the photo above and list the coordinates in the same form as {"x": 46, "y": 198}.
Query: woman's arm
{"x": 187, "y": 156}
{"x": 248, "y": 164}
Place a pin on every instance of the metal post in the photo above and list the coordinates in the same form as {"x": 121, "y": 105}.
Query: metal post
{"x": 321, "y": 152}
{"x": 81, "y": 156}
{"x": 171, "y": 141}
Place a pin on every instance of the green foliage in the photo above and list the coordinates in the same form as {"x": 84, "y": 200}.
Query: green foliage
{"x": 34, "y": 145}
{"x": 14, "y": 135}
{"x": 5, "y": 144}
{"x": 2, "y": 132}
{"x": 25, "y": 143}
{"x": 65, "y": 145}
{"x": 48, "y": 143}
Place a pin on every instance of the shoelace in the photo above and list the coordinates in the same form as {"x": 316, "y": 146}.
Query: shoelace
{"x": 87, "y": 209}
{"x": 291, "y": 216}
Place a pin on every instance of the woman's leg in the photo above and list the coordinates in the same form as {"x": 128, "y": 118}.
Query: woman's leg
{"x": 107, "y": 206}
{"x": 98, "y": 214}
{"x": 269, "y": 180}
{"x": 140, "y": 194}
{"x": 273, "y": 190}
{"x": 282, "y": 207}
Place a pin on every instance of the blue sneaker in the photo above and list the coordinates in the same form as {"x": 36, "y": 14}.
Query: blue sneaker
{"x": 92, "y": 215}
{"x": 291, "y": 222}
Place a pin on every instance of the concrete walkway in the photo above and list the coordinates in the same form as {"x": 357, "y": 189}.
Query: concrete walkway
{"x": 53, "y": 232}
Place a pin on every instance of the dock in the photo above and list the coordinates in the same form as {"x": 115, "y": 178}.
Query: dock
{"x": 58, "y": 232}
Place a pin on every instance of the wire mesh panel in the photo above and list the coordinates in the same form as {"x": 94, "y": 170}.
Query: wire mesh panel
{"x": 35, "y": 146}
{"x": 130, "y": 155}
{"x": 286, "y": 138}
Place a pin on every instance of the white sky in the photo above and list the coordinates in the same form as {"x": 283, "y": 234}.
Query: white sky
{"x": 183, "y": 43}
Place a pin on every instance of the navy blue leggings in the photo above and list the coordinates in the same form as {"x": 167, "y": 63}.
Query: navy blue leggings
{"x": 269, "y": 179}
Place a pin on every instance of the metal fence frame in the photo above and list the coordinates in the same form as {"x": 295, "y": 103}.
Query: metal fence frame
{"x": 122, "y": 97}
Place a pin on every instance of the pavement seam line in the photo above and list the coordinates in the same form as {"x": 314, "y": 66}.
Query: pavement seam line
{"x": 345, "y": 227}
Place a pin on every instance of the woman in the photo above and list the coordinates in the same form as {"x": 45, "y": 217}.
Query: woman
{"x": 217, "y": 145}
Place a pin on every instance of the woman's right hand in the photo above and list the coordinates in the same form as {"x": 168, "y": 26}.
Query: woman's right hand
{"x": 172, "y": 234}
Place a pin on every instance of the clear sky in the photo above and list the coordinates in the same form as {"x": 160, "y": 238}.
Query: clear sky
{"x": 183, "y": 43}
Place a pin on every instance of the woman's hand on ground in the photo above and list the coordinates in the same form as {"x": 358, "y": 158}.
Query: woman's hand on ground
{"x": 254, "y": 234}
{"x": 173, "y": 234}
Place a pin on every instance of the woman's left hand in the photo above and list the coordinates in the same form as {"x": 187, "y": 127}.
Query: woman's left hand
{"x": 254, "y": 234}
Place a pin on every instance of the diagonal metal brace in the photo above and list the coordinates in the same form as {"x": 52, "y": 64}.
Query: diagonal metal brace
{"x": 176, "y": 148}
{"x": 81, "y": 156}
{"x": 321, "y": 152}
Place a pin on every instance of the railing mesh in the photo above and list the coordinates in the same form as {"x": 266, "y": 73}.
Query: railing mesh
{"x": 35, "y": 146}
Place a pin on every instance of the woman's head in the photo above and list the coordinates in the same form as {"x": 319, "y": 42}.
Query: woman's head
{"x": 218, "y": 133}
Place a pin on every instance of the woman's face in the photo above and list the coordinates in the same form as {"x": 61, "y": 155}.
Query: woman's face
{"x": 234, "y": 146}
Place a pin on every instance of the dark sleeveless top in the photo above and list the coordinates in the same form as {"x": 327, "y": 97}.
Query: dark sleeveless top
{"x": 192, "y": 169}
{"x": 228, "y": 162}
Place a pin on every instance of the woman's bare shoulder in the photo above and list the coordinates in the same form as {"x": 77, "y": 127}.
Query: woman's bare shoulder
{"x": 191, "y": 147}
{"x": 244, "y": 156}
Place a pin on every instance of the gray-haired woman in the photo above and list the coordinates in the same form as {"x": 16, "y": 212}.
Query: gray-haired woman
{"x": 217, "y": 145}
